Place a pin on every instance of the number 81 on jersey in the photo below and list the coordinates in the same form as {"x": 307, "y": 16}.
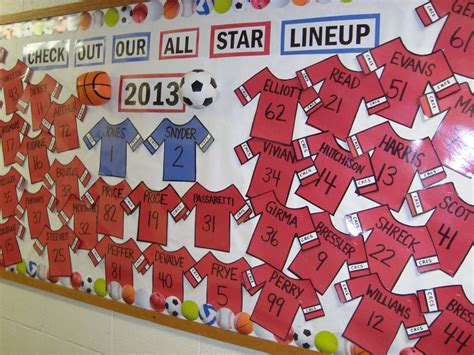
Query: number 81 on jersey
{"x": 150, "y": 93}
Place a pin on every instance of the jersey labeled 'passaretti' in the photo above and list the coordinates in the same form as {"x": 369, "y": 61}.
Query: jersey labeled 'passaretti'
{"x": 10, "y": 230}
{"x": 10, "y": 136}
{"x": 9, "y": 183}
{"x": 11, "y": 81}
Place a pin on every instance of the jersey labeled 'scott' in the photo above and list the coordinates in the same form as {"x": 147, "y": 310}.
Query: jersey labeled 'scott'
{"x": 113, "y": 151}
{"x": 213, "y": 210}
{"x": 275, "y": 116}
{"x": 451, "y": 331}
{"x": 36, "y": 149}
{"x": 67, "y": 178}
{"x": 392, "y": 243}
{"x": 10, "y": 230}
{"x": 11, "y": 81}
{"x": 405, "y": 77}
{"x": 453, "y": 139}
{"x": 342, "y": 92}
{"x": 280, "y": 299}
{"x": 276, "y": 167}
{"x": 396, "y": 161}
{"x": 58, "y": 243}
{"x": 154, "y": 208}
{"x": 108, "y": 197}
{"x": 336, "y": 169}
{"x": 37, "y": 205}
{"x": 224, "y": 283}
{"x": 455, "y": 38}
{"x": 450, "y": 225}
{"x": 168, "y": 269}
{"x": 38, "y": 96}
{"x": 321, "y": 264}
{"x": 277, "y": 227}
{"x": 63, "y": 117}
{"x": 85, "y": 220}
{"x": 180, "y": 147}
{"x": 10, "y": 136}
{"x": 380, "y": 313}
{"x": 119, "y": 259}
{"x": 9, "y": 183}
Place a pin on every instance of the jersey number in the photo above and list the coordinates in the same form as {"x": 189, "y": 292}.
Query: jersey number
{"x": 390, "y": 253}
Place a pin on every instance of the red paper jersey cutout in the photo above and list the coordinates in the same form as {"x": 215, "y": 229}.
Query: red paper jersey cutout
{"x": 321, "y": 264}
{"x": 10, "y": 230}
{"x": 11, "y": 81}
{"x": 280, "y": 299}
{"x": 36, "y": 149}
{"x": 342, "y": 92}
{"x": 63, "y": 117}
{"x": 154, "y": 209}
{"x": 58, "y": 243}
{"x": 168, "y": 269}
{"x": 38, "y": 96}
{"x": 37, "y": 205}
{"x": 396, "y": 161}
{"x": 9, "y": 183}
{"x": 276, "y": 167}
{"x": 277, "y": 227}
{"x": 276, "y": 111}
{"x": 85, "y": 220}
{"x": 120, "y": 258}
{"x": 405, "y": 77}
{"x": 212, "y": 225}
{"x": 380, "y": 313}
{"x": 392, "y": 243}
{"x": 456, "y": 35}
{"x": 10, "y": 136}
{"x": 224, "y": 283}
{"x": 453, "y": 138}
{"x": 451, "y": 331}
{"x": 450, "y": 225}
{"x": 66, "y": 177}
{"x": 108, "y": 197}
{"x": 336, "y": 168}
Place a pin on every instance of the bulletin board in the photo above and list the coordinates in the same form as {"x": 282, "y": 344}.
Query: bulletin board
{"x": 327, "y": 186}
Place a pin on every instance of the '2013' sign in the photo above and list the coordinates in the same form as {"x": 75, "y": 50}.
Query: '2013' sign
{"x": 150, "y": 93}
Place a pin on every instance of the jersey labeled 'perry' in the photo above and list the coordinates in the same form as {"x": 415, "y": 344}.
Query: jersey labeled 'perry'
{"x": 168, "y": 269}
{"x": 396, "y": 161}
{"x": 212, "y": 225}
{"x": 9, "y": 183}
{"x": 10, "y": 136}
{"x": 10, "y": 230}
{"x": 453, "y": 139}
{"x": 450, "y": 225}
{"x": 405, "y": 77}
{"x": 154, "y": 208}
{"x": 451, "y": 331}
{"x": 277, "y": 227}
{"x": 280, "y": 299}
{"x": 108, "y": 197}
{"x": 224, "y": 283}
{"x": 380, "y": 313}
{"x": 180, "y": 147}
{"x": 342, "y": 92}
{"x": 11, "y": 81}
{"x": 455, "y": 38}
{"x": 276, "y": 111}
{"x": 321, "y": 264}
{"x": 276, "y": 166}
{"x": 38, "y": 96}
{"x": 336, "y": 169}
{"x": 113, "y": 151}
{"x": 392, "y": 243}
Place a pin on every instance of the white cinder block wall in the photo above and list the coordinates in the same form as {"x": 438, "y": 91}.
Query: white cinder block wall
{"x": 32, "y": 321}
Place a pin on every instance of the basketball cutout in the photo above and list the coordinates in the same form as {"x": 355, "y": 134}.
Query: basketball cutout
{"x": 93, "y": 88}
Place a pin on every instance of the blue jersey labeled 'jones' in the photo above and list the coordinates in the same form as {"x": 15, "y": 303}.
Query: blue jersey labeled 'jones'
{"x": 113, "y": 151}
{"x": 180, "y": 147}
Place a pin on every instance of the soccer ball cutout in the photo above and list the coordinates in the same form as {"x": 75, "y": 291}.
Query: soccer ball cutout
{"x": 173, "y": 306}
{"x": 241, "y": 5}
{"x": 125, "y": 14}
{"x": 32, "y": 269}
{"x": 87, "y": 284}
{"x": 204, "y": 7}
{"x": 198, "y": 89}
{"x": 304, "y": 337}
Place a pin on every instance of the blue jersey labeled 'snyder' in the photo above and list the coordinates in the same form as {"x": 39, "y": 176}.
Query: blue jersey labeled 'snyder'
{"x": 180, "y": 147}
{"x": 113, "y": 151}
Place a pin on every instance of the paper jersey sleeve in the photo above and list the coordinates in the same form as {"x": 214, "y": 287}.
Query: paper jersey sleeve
{"x": 202, "y": 136}
{"x": 92, "y": 195}
{"x": 374, "y": 97}
{"x": 95, "y": 134}
{"x": 363, "y": 221}
{"x": 436, "y": 299}
{"x": 422, "y": 201}
{"x": 254, "y": 278}
{"x": 376, "y": 57}
{"x": 310, "y": 76}
{"x": 188, "y": 200}
{"x": 443, "y": 81}
{"x": 431, "y": 170}
{"x": 432, "y": 11}
{"x": 40, "y": 242}
{"x": 311, "y": 305}
{"x": 199, "y": 271}
{"x": 248, "y": 149}
{"x": 157, "y": 137}
{"x": 252, "y": 87}
{"x": 240, "y": 211}
{"x": 133, "y": 138}
{"x": 98, "y": 252}
{"x": 134, "y": 199}
{"x": 365, "y": 141}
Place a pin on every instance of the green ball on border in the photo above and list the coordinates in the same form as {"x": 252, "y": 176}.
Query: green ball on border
{"x": 326, "y": 342}
{"x": 190, "y": 310}
{"x": 100, "y": 287}
{"x": 21, "y": 268}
